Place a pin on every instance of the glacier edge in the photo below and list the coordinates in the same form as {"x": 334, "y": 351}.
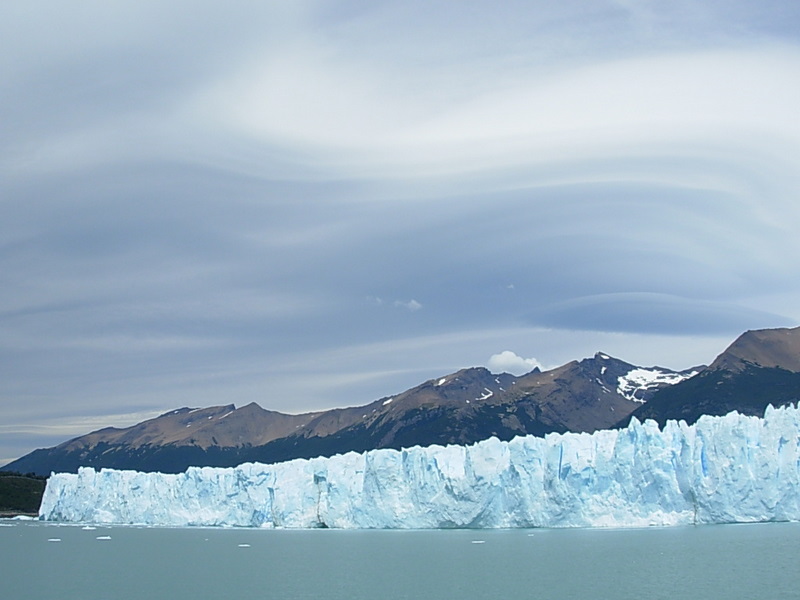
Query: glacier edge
{"x": 720, "y": 470}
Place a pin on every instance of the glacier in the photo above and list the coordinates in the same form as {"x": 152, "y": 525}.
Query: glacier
{"x": 727, "y": 469}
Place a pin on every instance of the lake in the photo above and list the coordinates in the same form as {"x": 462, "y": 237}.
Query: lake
{"x": 65, "y": 562}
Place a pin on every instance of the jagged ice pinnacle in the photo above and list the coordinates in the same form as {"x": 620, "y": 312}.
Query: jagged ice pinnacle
{"x": 720, "y": 470}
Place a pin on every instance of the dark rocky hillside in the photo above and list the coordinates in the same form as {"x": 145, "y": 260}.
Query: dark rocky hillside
{"x": 20, "y": 494}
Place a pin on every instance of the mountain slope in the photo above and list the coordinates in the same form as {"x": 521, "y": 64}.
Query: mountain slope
{"x": 461, "y": 408}
{"x": 762, "y": 348}
{"x": 759, "y": 368}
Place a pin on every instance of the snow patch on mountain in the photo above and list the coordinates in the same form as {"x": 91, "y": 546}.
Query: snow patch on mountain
{"x": 632, "y": 384}
{"x": 486, "y": 395}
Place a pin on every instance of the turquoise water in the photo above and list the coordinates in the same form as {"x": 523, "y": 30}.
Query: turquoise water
{"x": 706, "y": 562}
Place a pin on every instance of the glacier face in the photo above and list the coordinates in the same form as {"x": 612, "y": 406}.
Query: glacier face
{"x": 720, "y": 470}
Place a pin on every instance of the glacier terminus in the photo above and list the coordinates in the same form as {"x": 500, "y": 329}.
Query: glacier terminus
{"x": 720, "y": 470}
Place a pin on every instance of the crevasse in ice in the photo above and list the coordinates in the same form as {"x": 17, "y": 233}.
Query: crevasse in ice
{"x": 720, "y": 470}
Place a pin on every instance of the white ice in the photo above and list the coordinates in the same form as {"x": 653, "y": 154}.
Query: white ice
{"x": 720, "y": 470}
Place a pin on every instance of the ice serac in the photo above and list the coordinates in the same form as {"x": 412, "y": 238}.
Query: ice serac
{"x": 719, "y": 470}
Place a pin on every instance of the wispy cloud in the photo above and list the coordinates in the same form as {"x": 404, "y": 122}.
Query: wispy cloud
{"x": 411, "y": 305}
{"x": 75, "y": 426}
{"x": 655, "y": 313}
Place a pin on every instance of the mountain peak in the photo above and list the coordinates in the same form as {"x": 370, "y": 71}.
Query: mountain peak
{"x": 768, "y": 348}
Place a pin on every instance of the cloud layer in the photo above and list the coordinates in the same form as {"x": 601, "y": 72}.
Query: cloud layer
{"x": 315, "y": 204}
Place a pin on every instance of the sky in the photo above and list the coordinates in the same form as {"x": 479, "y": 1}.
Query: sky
{"x": 315, "y": 204}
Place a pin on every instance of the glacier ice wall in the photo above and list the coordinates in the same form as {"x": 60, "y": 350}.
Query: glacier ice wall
{"x": 720, "y": 470}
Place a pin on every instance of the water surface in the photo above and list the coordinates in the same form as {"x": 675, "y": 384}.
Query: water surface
{"x": 65, "y": 562}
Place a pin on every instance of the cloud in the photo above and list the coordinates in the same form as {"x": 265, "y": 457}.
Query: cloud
{"x": 655, "y": 313}
{"x": 74, "y": 426}
{"x": 509, "y": 362}
{"x": 409, "y": 305}
{"x": 369, "y": 124}
{"x": 412, "y": 305}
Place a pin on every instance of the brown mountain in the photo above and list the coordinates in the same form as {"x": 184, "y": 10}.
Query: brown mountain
{"x": 460, "y": 408}
{"x": 765, "y": 348}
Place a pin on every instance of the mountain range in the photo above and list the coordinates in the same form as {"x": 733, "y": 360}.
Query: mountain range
{"x": 760, "y": 368}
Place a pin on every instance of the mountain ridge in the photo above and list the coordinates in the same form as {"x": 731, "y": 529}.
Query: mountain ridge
{"x": 459, "y": 408}
{"x": 759, "y": 368}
